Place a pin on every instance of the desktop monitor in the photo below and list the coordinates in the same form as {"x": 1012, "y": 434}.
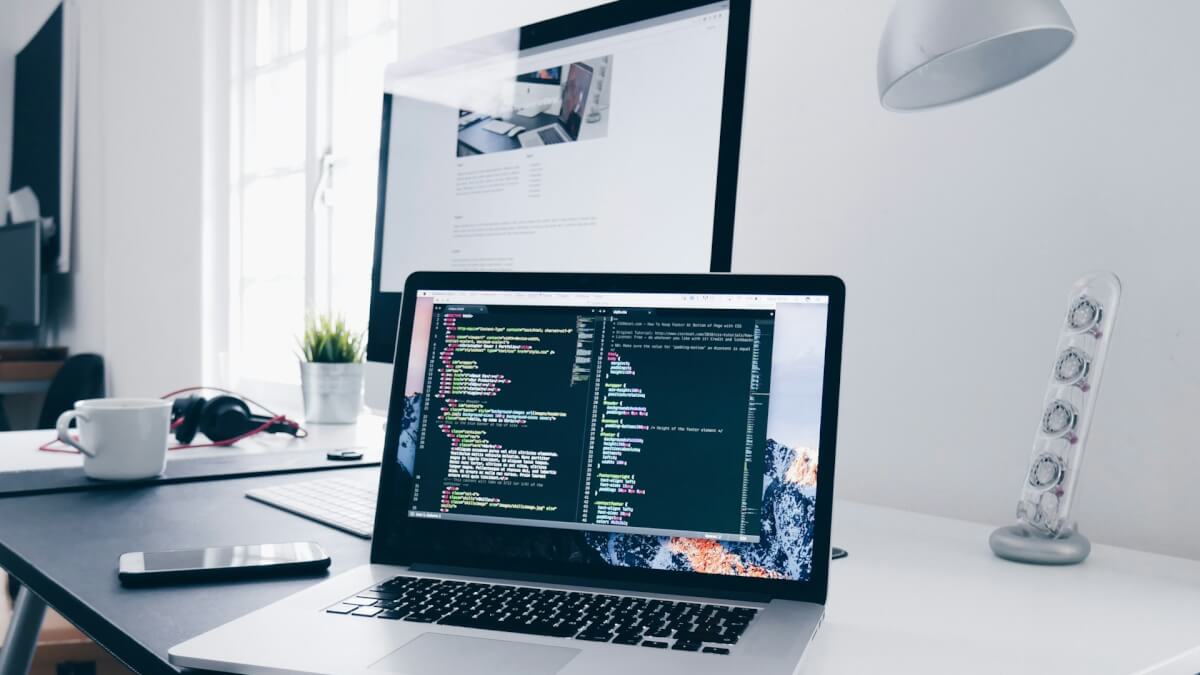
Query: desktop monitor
{"x": 20, "y": 280}
{"x": 44, "y": 93}
{"x": 641, "y": 106}
{"x": 542, "y": 76}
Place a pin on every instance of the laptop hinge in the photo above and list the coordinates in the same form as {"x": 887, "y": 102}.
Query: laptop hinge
{"x": 616, "y": 585}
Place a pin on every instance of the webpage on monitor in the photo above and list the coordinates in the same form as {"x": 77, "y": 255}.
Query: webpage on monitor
{"x": 596, "y": 153}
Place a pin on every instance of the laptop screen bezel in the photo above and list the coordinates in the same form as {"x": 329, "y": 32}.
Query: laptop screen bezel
{"x": 394, "y": 529}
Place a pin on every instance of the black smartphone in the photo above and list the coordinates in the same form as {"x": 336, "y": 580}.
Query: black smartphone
{"x": 255, "y": 561}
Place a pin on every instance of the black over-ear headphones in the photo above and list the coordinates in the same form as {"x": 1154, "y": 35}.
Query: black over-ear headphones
{"x": 222, "y": 418}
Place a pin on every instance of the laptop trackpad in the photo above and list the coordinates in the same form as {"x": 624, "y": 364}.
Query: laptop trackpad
{"x": 437, "y": 654}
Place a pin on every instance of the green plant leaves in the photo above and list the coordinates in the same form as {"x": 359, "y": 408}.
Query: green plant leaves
{"x": 327, "y": 340}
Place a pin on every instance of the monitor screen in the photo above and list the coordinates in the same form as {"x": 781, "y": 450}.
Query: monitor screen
{"x": 20, "y": 279}
{"x": 43, "y": 97}
{"x": 542, "y": 75}
{"x": 594, "y": 142}
{"x": 660, "y": 431}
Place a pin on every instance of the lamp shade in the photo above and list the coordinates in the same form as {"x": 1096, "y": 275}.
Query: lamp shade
{"x": 935, "y": 52}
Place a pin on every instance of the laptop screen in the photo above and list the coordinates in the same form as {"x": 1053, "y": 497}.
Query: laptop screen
{"x": 662, "y": 431}
{"x": 574, "y": 98}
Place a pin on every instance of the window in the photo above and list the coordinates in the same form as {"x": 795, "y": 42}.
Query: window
{"x": 306, "y": 89}
{"x": 305, "y": 98}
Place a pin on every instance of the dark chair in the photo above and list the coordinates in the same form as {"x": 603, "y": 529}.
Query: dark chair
{"x": 81, "y": 376}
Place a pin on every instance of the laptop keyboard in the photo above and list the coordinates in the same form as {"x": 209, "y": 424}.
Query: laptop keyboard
{"x": 595, "y": 617}
{"x": 550, "y": 136}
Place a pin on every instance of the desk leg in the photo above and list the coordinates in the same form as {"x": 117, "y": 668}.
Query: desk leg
{"x": 17, "y": 653}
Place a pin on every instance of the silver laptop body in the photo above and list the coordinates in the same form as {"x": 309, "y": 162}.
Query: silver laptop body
{"x": 460, "y": 448}
{"x": 571, "y": 113}
{"x": 545, "y": 135}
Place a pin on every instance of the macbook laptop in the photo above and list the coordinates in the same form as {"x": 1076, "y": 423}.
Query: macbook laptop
{"x": 585, "y": 473}
{"x": 570, "y": 116}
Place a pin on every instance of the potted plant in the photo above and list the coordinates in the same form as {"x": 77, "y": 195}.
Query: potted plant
{"x": 331, "y": 371}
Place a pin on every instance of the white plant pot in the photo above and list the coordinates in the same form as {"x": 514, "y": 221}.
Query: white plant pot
{"x": 333, "y": 392}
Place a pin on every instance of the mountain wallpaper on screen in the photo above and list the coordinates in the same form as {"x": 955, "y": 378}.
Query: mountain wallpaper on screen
{"x": 784, "y": 551}
{"x": 785, "y": 548}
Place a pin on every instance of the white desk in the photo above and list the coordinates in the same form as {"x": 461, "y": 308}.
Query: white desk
{"x": 19, "y": 449}
{"x": 921, "y": 594}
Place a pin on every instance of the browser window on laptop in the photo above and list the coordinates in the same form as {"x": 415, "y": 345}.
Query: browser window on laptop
{"x": 660, "y": 431}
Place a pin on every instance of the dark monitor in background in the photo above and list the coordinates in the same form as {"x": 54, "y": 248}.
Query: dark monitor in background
{"x": 645, "y": 182}
{"x": 37, "y": 117}
{"x": 542, "y": 76}
{"x": 20, "y": 281}
{"x": 44, "y": 107}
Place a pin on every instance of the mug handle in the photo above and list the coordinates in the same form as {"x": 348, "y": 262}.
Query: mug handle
{"x": 64, "y": 435}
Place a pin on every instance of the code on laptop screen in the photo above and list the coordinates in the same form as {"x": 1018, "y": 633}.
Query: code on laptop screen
{"x": 665, "y": 432}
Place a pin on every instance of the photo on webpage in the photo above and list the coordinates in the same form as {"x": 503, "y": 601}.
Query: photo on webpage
{"x": 559, "y": 104}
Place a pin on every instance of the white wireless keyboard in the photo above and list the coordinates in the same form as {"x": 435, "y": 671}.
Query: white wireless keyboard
{"x": 347, "y": 504}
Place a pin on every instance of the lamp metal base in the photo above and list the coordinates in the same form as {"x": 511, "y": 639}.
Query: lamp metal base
{"x": 1020, "y": 543}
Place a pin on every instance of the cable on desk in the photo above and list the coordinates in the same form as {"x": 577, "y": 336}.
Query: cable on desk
{"x": 275, "y": 418}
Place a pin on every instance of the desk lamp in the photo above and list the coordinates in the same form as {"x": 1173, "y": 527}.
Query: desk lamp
{"x": 936, "y": 52}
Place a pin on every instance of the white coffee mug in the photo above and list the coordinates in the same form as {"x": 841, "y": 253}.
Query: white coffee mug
{"x": 120, "y": 438}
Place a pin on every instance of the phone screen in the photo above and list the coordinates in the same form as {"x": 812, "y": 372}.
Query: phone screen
{"x": 233, "y": 556}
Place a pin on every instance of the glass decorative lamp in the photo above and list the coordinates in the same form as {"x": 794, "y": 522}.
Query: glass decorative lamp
{"x": 1045, "y": 533}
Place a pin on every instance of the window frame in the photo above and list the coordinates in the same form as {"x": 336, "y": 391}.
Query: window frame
{"x": 326, "y": 39}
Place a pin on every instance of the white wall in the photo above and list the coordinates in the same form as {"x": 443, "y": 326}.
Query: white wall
{"x": 149, "y": 169}
{"x": 134, "y": 294}
{"x": 959, "y": 231}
